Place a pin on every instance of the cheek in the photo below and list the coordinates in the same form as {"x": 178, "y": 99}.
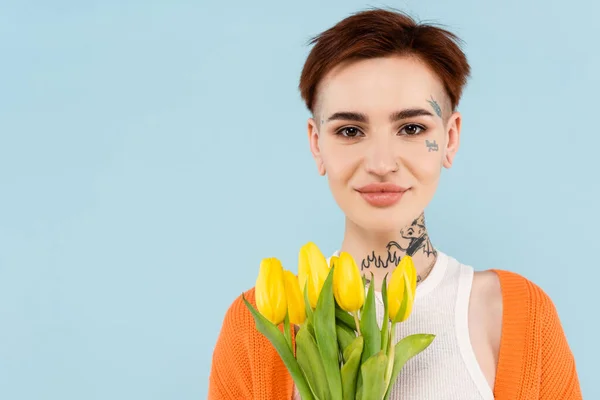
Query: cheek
{"x": 422, "y": 160}
{"x": 341, "y": 164}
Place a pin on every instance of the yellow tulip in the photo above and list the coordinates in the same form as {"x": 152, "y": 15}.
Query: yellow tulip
{"x": 348, "y": 286}
{"x": 295, "y": 300}
{"x": 404, "y": 278}
{"x": 270, "y": 291}
{"x": 312, "y": 269}
{"x": 333, "y": 260}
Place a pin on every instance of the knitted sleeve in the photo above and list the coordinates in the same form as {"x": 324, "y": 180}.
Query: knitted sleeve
{"x": 245, "y": 364}
{"x": 558, "y": 371}
{"x": 230, "y": 375}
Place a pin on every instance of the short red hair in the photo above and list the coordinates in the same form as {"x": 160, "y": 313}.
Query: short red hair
{"x": 381, "y": 33}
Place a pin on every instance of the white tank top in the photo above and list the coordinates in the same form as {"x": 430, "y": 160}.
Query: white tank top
{"x": 447, "y": 369}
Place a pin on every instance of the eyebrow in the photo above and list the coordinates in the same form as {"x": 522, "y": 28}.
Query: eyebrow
{"x": 348, "y": 116}
{"x": 394, "y": 117}
{"x": 410, "y": 113}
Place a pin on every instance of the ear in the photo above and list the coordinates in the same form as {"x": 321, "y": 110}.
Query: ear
{"x": 452, "y": 139}
{"x": 313, "y": 141}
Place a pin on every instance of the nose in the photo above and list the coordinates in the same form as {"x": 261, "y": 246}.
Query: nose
{"x": 380, "y": 159}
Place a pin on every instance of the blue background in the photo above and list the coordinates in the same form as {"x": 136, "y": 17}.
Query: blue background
{"x": 152, "y": 152}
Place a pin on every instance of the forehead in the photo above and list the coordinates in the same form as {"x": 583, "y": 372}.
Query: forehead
{"x": 379, "y": 85}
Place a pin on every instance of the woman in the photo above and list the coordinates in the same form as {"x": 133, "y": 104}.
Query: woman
{"x": 383, "y": 92}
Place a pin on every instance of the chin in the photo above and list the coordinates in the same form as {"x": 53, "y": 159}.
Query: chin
{"x": 382, "y": 220}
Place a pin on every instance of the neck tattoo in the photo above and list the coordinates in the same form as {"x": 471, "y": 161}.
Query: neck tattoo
{"x": 420, "y": 278}
{"x": 414, "y": 240}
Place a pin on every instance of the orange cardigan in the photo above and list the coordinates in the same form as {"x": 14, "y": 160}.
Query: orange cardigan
{"x": 535, "y": 361}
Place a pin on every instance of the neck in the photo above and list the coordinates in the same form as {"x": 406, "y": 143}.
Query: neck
{"x": 379, "y": 253}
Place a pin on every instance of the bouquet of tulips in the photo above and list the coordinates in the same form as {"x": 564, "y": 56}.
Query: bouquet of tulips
{"x": 340, "y": 350}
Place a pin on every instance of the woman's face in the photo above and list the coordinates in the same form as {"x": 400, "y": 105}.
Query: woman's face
{"x": 382, "y": 130}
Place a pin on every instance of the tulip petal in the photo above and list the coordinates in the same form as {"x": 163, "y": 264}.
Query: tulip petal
{"x": 395, "y": 291}
{"x": 275, "y": 336}
{"x": 403, "y": 308}
{"x": 319, "y": 269}
{"x": 270, "y": 291}
{"x": 295, "y": 299}
{"x": 409, "y": 283}
{"x": 348, "y": 288}
{"x": 333, "y": 260}
{"x": 305, "y": 274}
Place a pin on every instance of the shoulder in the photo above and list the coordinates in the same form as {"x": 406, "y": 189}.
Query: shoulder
{"x": 487, "y": 291}
{"x": 486, "y": 285}
{"x": 238, "y": 317}
{"x": 238, "y": 324}
{"x": 516, "y": 289}
{"x": 505, "y": 300}
{"x": 245, "y": 364}
{"x": 532, "y": 324}
{"x": 525, "y": 305}
{"x": 231, "y": 359}
{"x": 486, "y": 305}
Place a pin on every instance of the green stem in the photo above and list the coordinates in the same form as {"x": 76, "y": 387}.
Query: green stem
{"x": 391, "y": 356}
{"x": 355, "y": 313}
{"x": 385, "y": 335}
{"x": 287, "y": 331}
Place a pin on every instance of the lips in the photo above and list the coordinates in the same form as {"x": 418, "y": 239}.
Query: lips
{"x": 381, "y": 187}
{"x": 382, "y": 194}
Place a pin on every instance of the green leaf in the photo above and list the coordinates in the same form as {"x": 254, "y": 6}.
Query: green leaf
{"x": 358, "y": 342}
{"x": 311, "y": 327}
{"x": 307, "y": 307}
{"x": 310, "y": 361}
{"x": 385, "y": 329}
{"x": 373, "y": 371}
{"x": 346, "y": 318}
{"x": 404, "y": 350}
{"x": 309, "y": 322}
{"x": 345, "y": 336}
{"x": 271, "y": 332}
{"x": 287, "y": 331}
{"x": 352, "y": 355}
{"x": 325, "y": 333}
{"x": 368, "y": 325}
{"x": 364, "y": 281}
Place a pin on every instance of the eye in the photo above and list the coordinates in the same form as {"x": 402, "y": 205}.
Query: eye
{"x": 349, "y": 132}
{"x": 412, "y": 129}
